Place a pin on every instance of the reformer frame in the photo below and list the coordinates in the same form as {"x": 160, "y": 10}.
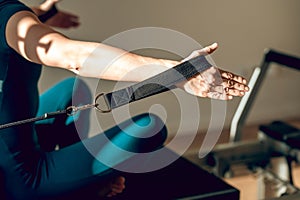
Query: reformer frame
{"x": 251, "y": 153}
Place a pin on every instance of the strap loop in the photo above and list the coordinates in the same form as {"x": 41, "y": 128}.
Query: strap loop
{"x": 98, "y": 103}
{"x": 157, "y": 84}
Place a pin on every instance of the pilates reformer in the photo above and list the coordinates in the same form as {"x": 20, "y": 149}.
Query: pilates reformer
{"x": 277, "y": 139}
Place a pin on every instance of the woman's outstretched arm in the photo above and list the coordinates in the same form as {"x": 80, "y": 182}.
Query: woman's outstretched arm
{"x": 40, "y": 43}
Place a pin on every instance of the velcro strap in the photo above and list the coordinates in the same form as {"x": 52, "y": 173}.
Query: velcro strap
{"x": 157, "y": 84}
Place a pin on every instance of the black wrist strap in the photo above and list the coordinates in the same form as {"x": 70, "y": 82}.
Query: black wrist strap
{"x": 50, "y": 13}
{"x": 154, "y": 85}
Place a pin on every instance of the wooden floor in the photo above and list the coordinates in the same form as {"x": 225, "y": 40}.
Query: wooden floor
{"x": 252, "y": 185}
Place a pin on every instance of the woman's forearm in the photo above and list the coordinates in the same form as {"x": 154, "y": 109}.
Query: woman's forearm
{"x": 98, "y": 60}
{"x": 112, "y": 63}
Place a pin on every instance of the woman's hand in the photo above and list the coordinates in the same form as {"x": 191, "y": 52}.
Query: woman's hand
{"x": 64, "y": 20}
{"x": 213, "y": 82}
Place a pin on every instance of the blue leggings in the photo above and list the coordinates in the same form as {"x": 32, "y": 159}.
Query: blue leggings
{"x": 78, "y": 163}
{"x": 66, "y": 93}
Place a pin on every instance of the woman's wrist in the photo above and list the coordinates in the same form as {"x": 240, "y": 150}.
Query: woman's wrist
{"x": 47, "y": 5}
{"x": 49, "y": 9}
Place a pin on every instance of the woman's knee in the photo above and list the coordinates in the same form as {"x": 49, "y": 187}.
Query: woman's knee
{"x": 157, "y": 131}
{"x": 151, "y": 125}
{"x": 142, "y": 133}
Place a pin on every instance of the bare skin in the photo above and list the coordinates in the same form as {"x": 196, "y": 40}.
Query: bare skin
{"x": 214, "y": 82}
{"x": 39, "y": 43}
{"x": 113, "y": 188}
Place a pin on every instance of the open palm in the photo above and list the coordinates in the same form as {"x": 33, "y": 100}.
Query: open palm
{"x": 214, "y": 82}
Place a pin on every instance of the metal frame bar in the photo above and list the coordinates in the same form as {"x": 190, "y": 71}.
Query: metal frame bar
{"x": 255, "y": 82}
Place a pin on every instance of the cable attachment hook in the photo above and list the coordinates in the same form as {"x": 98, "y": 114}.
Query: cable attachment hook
{"x": 72, "y": 110}
{"x": 100, "y": 104}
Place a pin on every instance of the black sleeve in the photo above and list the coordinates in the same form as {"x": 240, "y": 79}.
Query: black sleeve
{"x": 7, "y": 9}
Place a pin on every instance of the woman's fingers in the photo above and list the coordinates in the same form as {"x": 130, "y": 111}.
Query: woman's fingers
{"x": 214, "y": 85}
{"x": 204, "y": 51}
{"x": 214, "y": 82}
{"x": 231, "y": 76}
{"x": 233, "y": 84}
{"x": 117, "y": 186}
{"x": 209, "y": 49}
